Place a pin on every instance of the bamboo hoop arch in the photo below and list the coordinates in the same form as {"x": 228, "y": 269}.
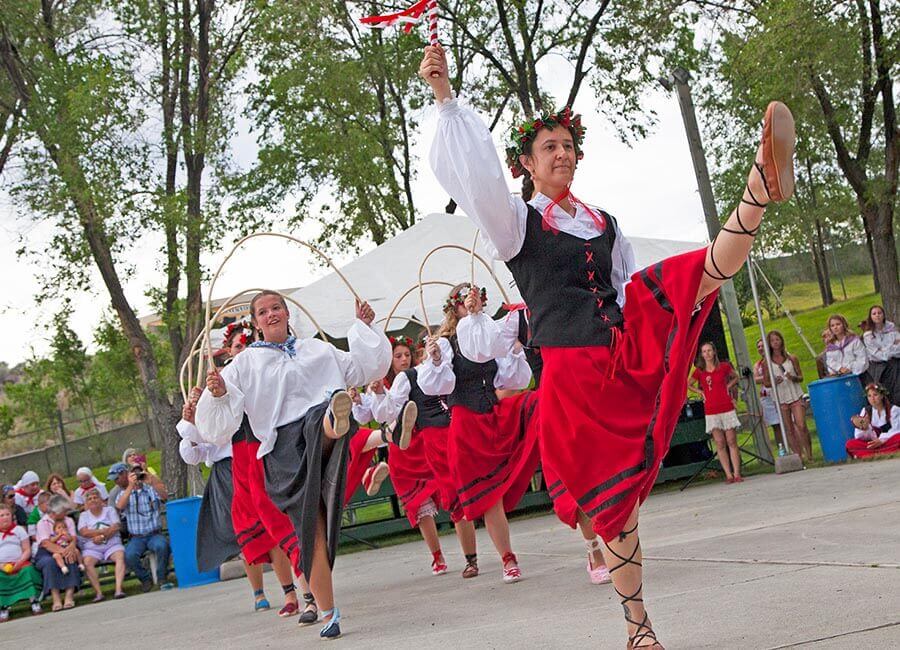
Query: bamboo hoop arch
{"x": 474, "y": 257}
{"x": 408, "y": 319}
{"x": 391, "y": 316}
{"x": 234, "y": 249}
{"x": 204, "y": 335}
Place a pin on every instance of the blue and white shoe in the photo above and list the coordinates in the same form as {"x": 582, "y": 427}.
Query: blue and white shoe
{"x": 262, "y": 603}
{"x": 332, "y": 629}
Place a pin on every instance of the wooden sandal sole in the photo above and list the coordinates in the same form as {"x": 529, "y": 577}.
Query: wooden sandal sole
{"x": 778, "y": 141}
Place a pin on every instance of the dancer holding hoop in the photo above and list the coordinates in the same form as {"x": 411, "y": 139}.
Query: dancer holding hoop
{"x": 616, "y": 353}
{"x": 293, "y": 393}
{"x": 491, "y": 443}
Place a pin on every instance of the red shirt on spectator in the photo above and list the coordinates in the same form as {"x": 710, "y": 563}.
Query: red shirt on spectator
{"x": 715, "y": 388}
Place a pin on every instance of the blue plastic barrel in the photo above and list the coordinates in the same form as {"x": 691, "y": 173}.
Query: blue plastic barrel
{"x": 834, "y": 401}
{"x": 182, "y": 515}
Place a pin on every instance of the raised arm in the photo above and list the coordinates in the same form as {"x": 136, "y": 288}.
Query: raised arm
{"x": 513, "y": 371}
{"x": 221, "y": 407}
{"x": 370, "y": 350}
{"x": 436, "y": 372}
{"x": 466, "y": 164}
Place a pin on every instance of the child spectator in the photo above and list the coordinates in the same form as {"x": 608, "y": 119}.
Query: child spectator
{"x": 877, "y": 427}
{"x": 845, "y": 354}
{"x": 63, "y": 539}
{"x": 713, "y": 380}
{"x": 882, "y": 341}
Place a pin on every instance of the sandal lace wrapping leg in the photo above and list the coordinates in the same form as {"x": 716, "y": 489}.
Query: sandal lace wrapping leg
{"x": 643, "y": 629}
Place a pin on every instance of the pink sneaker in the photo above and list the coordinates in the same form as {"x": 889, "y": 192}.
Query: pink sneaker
{"x": 511, "y": 571}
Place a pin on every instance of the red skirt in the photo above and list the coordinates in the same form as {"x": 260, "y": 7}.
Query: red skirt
{"x": 858, "y": 449}
{"x": 493, "y": 455}
{"x": 359, "y": 462}
{"x": 277, "y": 525}
{"x": 251, "y": 534}
{"x": 606, "y": 429}
{"x": 436, "y": 455}
{"x": 412, "y": 478}
{"x": 563, "y": 504}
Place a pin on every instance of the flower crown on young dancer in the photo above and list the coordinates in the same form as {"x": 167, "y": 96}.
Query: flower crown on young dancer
{"x": 237, "y": 328}
{"x": 459, "y": 298}
{"x": 878, "y": 388}
{"x": 402, "y": 340}
{"x": 520, "y": 136}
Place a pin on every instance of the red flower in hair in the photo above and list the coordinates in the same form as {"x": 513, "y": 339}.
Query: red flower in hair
{"x": 538, "y": 124}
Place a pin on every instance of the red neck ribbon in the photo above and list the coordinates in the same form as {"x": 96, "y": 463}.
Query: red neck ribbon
{"x": 549, "y": 222}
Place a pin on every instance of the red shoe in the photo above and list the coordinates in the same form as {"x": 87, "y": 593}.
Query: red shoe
{"x": 289, "y": 609}
{"x": 511, "y": 573}
{"x": 438, "y": 565}
{"x": 729, "y": 480}
{"x": 374, "y": 477}
{"x": 738, "y": 479}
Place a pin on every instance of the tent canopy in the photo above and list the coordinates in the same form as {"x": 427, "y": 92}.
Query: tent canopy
{"x": 384, "y": 274}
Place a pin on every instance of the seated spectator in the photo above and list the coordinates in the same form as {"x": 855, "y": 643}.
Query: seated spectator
{"x": 713, "y": 380}
{"x": 98, "y": 528}
{"x": 55, "y": 580}
{"x": 845, "y": 354}
{"x": 86, "y": 481}
{"x": 27, "y": 489}
{"x": 882, "y": 341}
{"x": 118, "y": 473}
{"x": 42, "y": 501}
{"x": 57, "y": 485}
{"x": 877, "y": 427}
{"x": 9, "y": 498}
{"x": 141, "y": 504}
{"x": 18, "y": 579}
{"x": 132, "y": 457}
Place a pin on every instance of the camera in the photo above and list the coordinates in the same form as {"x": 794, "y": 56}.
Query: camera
{"x": 139, "y": 472}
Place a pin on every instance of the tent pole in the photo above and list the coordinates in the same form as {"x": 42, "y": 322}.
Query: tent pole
{"x": 679, "y": 81}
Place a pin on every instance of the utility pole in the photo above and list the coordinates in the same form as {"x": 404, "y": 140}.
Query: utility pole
{"x": 679, "y": 81}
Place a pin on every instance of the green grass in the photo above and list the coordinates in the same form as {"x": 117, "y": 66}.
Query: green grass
{"x": 804, "y": 296}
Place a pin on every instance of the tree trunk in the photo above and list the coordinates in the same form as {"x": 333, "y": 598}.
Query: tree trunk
{"x": 822, "y": 266}
{"x": 867, "y": 228}
{"x": 879, "y": 217}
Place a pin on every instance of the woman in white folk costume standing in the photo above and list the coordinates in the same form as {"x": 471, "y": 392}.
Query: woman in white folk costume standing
{"x": 615, "y": 353}
{"x": 294, "y": 394}
{"x": 491, "y": 443}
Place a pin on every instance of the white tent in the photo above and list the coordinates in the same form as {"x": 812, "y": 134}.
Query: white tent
{"x": 382, "y": 275}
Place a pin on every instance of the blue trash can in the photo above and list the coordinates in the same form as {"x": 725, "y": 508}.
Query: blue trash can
{"x": 834, "y": 401}
{"x": 182, "y": 515}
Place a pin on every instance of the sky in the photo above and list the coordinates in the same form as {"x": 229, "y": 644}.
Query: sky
{"x": 650, "y": 188}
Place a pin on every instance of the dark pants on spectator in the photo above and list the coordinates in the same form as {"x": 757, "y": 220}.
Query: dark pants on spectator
{"x": 138, "y": 545}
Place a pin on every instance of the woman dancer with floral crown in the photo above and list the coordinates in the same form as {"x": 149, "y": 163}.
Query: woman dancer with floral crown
{"x": 627, "y": 345}
{"x": 294, "y": 395}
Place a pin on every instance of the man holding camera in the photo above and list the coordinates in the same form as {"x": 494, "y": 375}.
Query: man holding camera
{"x": 140, "y": 503}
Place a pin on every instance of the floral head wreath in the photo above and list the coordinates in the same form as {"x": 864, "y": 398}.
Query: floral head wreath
{"x": 459, "y": 298}
{"x": 402, "y": 340}
{"x": 527, "y": 132}
{"x": 241, "y": 328}
{"x": 878, "y": 388}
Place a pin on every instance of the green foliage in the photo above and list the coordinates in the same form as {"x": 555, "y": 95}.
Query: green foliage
{"x": 766, "y": 299}
{"x": 7, "y": 420}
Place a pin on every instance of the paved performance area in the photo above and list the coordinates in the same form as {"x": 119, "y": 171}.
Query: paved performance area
{"x": 810, "y": 559}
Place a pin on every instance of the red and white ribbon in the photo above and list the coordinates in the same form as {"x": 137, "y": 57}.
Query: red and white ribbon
{"x": 408, "y": 18}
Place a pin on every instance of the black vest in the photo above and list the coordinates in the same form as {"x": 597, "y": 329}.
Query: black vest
{"x": 474, "y": 382}
{"x": 244, "y": 432}
{"x": 432, "y": 412}
{"x": 887, "y": 419}
{"x": 565, "y": 281}
{"x": 532, "y": 354}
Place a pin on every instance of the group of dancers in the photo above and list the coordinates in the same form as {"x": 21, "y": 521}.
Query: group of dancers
{"x": 610, "y": 347}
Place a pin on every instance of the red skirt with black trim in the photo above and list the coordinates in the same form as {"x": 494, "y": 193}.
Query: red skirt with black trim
{"x": 412, "y": 478}
{"x": 251, "y": 534}
{"x": 360, "y": 460}
{"x": 277, "y": 525}
{"x": 859, "y": 448}
{"x": 606, "y": 429}
{"x": 436, "y": 455}
{"x": 493, "y": 455}
{"x": 563, "y": 504}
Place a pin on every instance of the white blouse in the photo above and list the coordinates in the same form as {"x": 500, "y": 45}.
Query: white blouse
{"x": 513, "y": 371}
{"x": 194, "y": 450}
{"x": 884, "y": 344}
{"x": 362, "y": 412}
{"x": 879, "y": 420}
{"x": 851, "y": 353}
{"x": 387, "y": 408}
{"x": 275, "y": 389}
{"x": 466, "y": 165}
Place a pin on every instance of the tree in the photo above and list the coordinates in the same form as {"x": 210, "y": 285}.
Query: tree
{"x": 834, "y": 63}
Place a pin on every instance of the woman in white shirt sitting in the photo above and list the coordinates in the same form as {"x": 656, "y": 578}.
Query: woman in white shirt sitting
{"x": 882, "y": 342}
{"x": 877, "y": 427}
